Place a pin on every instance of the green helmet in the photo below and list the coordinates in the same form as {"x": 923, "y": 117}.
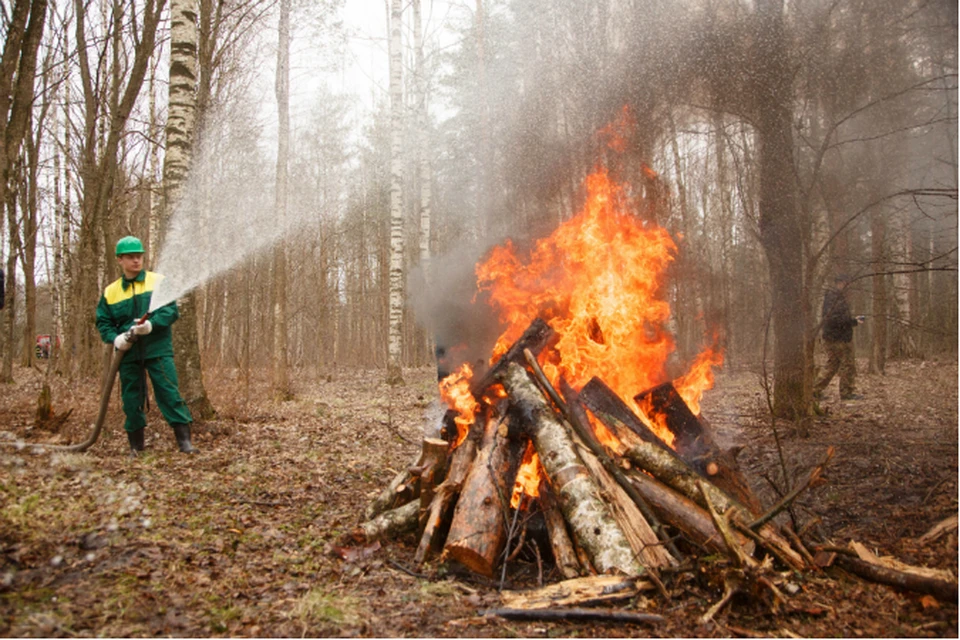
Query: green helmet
{"x": 129, "y": 244}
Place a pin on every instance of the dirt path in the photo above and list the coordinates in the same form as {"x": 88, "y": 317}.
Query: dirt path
{"x": 238, "y": 541}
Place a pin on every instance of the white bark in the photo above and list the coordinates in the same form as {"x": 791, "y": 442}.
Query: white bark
{"x": 281, "y": 381}
{"x": 395, "y": 345}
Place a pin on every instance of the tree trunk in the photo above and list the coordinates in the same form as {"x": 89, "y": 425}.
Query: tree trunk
{"x": 780, "y": 228}
{"x": 396, "y": 302}
{"x": 878, "y": 237}
{"x": 181, "y": 124}
{"x": 281, "y": 381}
{"x": 18, "y": 68}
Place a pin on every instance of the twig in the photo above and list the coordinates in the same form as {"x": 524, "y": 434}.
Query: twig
{"x": 788, "y": 499}
{"x": 801, "y": 548}
{"x": 409, "y": 572}
{"x": 599, "y": 615}
{"x": 506, "y": 548}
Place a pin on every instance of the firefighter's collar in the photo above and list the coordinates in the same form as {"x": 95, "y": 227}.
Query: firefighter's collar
{"x": 140, "y": 278}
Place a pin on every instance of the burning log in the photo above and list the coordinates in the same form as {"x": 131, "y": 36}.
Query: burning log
{"x": 601, "y": 399}
{"x": 590, "y": 520}
{"x": 694, "y": 443}
{"x": 535, "y": 338}
{"x": 478, "y": 530}
{"x": 460, "y": 463}
{"x": 564, "y": 555}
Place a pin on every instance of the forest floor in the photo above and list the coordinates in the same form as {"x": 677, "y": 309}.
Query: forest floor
{"x": 239, "y": 540}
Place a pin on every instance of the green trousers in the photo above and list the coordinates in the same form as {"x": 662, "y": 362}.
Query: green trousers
{"x": 163, "y": 379}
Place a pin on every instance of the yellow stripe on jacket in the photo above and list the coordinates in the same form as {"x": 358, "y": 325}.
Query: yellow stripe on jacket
{"x": 115, "y": 292}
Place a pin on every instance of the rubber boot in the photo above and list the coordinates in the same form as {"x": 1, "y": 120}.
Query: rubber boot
{"x": 182, "y": 433}
{"x": 136, "y": 442}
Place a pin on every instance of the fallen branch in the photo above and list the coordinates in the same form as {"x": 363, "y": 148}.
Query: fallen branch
{"x": 939, "y": 589}
{"x": 594, "y": 615}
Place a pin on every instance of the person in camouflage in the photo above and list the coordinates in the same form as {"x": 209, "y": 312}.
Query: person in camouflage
{"x": 121, "y": 308}
{"x": 838, "y": 324}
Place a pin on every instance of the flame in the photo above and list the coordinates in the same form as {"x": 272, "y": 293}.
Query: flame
{"x": 699, "y": 378}
{"x": 455, "y": 391}
{"x": 596, "y": 281}
{"x": 528, "y": 477}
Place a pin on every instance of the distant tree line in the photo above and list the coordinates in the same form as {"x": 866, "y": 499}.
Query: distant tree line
{"x": 780, "y": 143}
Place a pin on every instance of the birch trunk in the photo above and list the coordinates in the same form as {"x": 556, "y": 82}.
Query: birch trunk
{"x": 281, "y": 382}
{"x": 181, "y": 123}
{"x": 395, "y": 341}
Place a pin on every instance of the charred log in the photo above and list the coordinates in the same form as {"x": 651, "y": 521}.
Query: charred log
{"x": 537, "y": 336}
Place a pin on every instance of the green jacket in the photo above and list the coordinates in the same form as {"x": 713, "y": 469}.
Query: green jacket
{"x": 125, "y": 301}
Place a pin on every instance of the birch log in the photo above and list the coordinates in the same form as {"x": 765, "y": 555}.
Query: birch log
{"x": 591, "y": 521}
{"x": 644, "y": 542}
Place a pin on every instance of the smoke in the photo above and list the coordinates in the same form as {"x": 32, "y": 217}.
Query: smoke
{"x": 446, "y": 303}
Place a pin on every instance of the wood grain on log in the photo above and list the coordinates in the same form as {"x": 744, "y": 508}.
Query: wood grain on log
{"x": 644, "y": 542}
{"x": 478, "y": 529}
{"x": 433, "y": 466}
{"x": 564, "y": 555}
{"x": 589, "y": 517}
{"x": 683, "y": 514}
{"x": 578, "y": 592}
{"x": 460, "y": 462}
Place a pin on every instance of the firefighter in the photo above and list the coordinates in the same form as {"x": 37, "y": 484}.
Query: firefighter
{"x": 838, "y": 324}
{"x": 150, "y": 351}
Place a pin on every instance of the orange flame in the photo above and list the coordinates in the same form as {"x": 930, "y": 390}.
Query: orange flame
{"x": 596, "y": 281}
{"x": 691, "y": 385}
{"x": 528, "y": 477}
{"x": 455, "y": 391}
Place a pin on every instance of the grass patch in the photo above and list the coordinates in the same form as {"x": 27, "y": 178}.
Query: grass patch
{"x": 318, "y": 607}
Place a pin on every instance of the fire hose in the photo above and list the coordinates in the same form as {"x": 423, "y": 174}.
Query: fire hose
{"x": 110, "y": 376}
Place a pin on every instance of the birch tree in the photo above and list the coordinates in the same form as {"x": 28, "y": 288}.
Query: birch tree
{"x": 281, "y": 382}
{"x": 181, "y": 125}
{"x": 396, "y": 302}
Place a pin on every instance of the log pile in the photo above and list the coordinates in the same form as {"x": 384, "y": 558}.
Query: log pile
{"x": 629, "y": 506}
